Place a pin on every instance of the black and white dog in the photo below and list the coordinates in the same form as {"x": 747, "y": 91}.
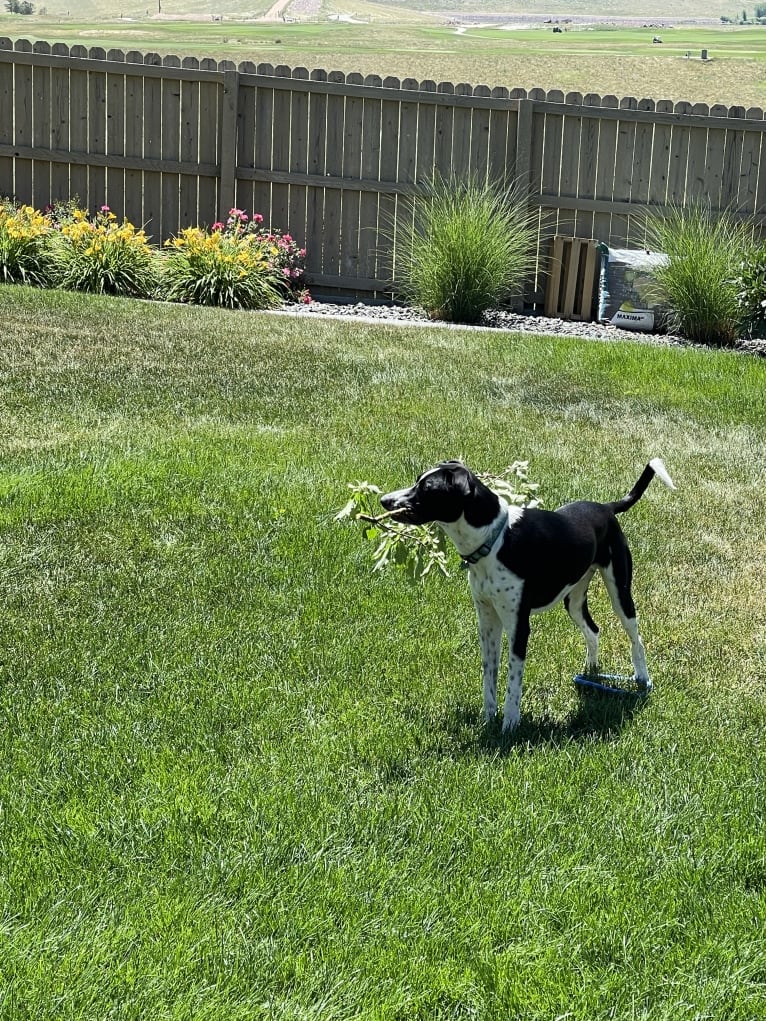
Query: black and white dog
{"x": 524, "y": 560}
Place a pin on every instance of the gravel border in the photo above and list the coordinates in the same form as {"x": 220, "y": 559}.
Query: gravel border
{"x": 401, "y": 315}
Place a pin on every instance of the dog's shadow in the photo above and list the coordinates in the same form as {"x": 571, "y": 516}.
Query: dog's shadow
{"x": 597, "y": 717}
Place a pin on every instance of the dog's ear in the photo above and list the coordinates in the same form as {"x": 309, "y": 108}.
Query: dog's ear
{"x": 461, "y": 478}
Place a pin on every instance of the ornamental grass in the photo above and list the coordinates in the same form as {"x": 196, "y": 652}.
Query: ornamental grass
{"x": 466, "y": 248}
{"x": 698, "y": 287}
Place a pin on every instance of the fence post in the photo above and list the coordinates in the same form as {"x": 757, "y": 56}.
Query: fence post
{"x": 228, "y": 147}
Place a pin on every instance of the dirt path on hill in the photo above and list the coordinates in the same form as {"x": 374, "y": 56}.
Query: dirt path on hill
{"x": 274, "y": 13}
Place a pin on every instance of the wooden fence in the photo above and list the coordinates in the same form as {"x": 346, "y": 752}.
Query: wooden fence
{"x": 329, "y": 157}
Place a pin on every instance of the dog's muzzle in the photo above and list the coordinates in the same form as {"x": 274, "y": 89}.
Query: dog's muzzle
{"x": 399, "y": 505}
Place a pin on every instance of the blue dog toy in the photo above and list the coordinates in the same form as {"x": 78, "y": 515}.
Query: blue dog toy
{"x": 613, "y": 684}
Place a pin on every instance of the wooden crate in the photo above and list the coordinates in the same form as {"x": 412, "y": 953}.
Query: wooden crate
{"x": 572, "y": 276}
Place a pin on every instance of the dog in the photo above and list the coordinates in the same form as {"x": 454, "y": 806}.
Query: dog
{"x": 524, "y": 560}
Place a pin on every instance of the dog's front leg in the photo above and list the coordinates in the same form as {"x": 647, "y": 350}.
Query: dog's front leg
{"x": 490, "y": 638}
{"x": 518, "y": 636}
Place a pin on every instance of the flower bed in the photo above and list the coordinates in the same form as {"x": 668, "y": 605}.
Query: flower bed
{"x": 236, "y": 264}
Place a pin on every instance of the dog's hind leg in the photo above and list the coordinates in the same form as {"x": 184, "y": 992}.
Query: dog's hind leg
{"x": 576, "y": 603}
{"x": 617, "y": 579}
{"x": 490, "y": 638}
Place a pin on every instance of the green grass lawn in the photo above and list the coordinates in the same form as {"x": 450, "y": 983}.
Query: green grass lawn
{"x": 244, "y": 778}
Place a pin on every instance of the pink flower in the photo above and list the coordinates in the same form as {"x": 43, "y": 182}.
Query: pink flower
{"x": 257, "y": 218}
{"x": 105, "y": 209}
{"x": 218, "y": 225}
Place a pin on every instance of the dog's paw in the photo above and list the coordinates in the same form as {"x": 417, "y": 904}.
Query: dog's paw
{"x": 511, "y": 722}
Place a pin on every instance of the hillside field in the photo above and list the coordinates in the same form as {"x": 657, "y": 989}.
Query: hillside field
{"x": 611, "y": 56}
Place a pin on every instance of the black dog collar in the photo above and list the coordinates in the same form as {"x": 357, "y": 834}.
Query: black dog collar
{"x": 486, "y": 547}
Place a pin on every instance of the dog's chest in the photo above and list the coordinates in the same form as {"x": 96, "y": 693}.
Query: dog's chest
{"x": 493, "y": 583}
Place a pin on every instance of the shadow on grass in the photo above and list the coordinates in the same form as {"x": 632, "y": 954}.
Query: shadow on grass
{"x": 598, "y": 717}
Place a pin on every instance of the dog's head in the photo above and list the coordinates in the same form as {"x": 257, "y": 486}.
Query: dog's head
{"x": 443, "y": 494}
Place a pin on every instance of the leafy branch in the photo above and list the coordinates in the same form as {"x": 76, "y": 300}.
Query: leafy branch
{"x": 418, "y": 549}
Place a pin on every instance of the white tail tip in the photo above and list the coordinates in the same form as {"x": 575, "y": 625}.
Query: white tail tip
{"x": 661, "y": 472}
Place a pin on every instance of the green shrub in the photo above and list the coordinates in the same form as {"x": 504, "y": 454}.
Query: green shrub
{"x": 698, "y": 287}
{"x": 24, "y": 238}
{"x": 101, "y": 256}
{"x": 466, "y": 247}
{"x": 750, "y": 285}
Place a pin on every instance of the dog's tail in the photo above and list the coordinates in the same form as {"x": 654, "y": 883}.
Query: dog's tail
{"x": 655, "y": 467}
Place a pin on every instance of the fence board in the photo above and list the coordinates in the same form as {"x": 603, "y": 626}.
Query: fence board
{"x": 529, "y": 142}
{"x": 370, "y": 170}
{"x": 115, "y": 129}
{"x": 642, "y": 164}
{"x": 152, "y": 206}
{"x": 570, "y": 165}
{"x": 443, "y": 142}
{"x": 317, "y": 143}
{"x": 41, "y": 128}
{"x": 658, "y": 179}
{"x": 243, "y": 197}
{"x": 210, "y": 99}
{"x": 747, "y": 191}
{"x": 425, "y": 161}
{"x": 350, "y": 199}
{"x": 553, "y": 132}
{"x": 97, "y": 135}
{"x": 23, "y": 103}
{"x": 299, "y": 117}
{"x": 708, "y": 180}
{"x": 732, "y": 160}
{"x": 330, "y": 238}
{"x": 461, "y": 163}
{"x": 7, "y": 186}
{"x": 698, "y": 149}
{"x": 623, "y": 173}
{"x": 187, "y": 198}
{"x": 171, "y": 150}
{"x": 134, "y": 143}
{"x": 387, "y": 204}
{"x": 588, "y": 168}
{"x": 280, "y": 154}
{"x": 501, "y": 141}
{"x": 78, "y": 134}
{"x": 263, "y": 130}
{"x": 605, "y": 170}
{"x": 477, "y": 151}
{"x": 679, "y": 158}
